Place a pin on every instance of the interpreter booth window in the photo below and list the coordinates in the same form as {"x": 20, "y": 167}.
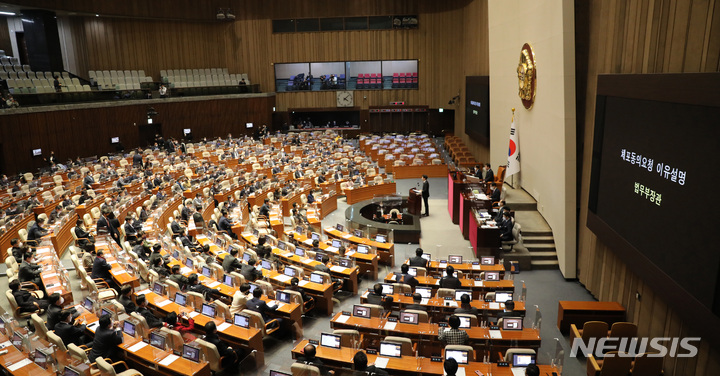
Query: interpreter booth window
{"x": 309, "y": 76}
{"x": 400, "y": 74}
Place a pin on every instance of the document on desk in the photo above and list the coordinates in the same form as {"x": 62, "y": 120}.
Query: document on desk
{"x": 338, "y": 268}
{"x": 143, "y": 292}
{"x": 193, "y": 314}
{"x": 347, "y": 236}
{"x": 8, "y": 343}
{"x": 185, "y": 270}
{"x": 288, "y": 254}
{"x": 308, "y": 242}
{"x": 117, "y": 272}
{"x": 381, "y": 362}
{"x": 283, "y": 278}
{"x": 332, "y": 250}
{"x": 476, "y": 267}
{"x": 49, "y": 275}
{"x": 495, "y": 334}
{"x": 390, "y": 326}
{"x": 137, "y": 346}
{"x": 460, "y": 372}
{"x": 349, "y": 253}
{"x": 93, "y": 326}
{"x": 494, "y": 305}
{"x": 518, "y": 371}
{"x": 214, "y": 284}
{"x": 478, "y": 283}
{"x": 303, "y": 283}
{"x": 342, "y": 319}
{"x": 112, "y": 262}
{"x": 16, "y": 366}
{"x": 168, "y": 360}
{"x": 424, "y": 301}
{"x": 201, "y": 237}
{"x": 307, "y": 261}
{"x": 163, "y": 303}
{"x": 223, "y": 326}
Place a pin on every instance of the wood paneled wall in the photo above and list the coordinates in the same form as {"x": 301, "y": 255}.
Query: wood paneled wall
{"x": 5, "y": 42}
{"x": 643, "y": 36}
{"x": 87, "y": 131}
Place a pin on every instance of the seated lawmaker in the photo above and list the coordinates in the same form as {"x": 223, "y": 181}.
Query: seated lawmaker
{"x": 68, "y": 331}
{"x": 453, "y": 335}
{"x": 230, "y": 356}
{"x": 405, "y": 277}
{"x": 449, "y": 281}
{"x": 26, "y": 300}
{"x": 107, "y": 338}
{"x": 418, "y": 260}
{"x": 465, "y": 306}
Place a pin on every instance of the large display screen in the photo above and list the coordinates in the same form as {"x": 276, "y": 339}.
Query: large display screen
{"x": 477, "y": 108}
{"x": 654, "y": 172}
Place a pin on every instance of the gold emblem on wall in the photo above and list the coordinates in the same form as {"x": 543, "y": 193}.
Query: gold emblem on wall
{"x": 527, "y": 76}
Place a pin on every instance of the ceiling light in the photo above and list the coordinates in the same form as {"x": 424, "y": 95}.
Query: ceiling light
{"x": 7, "y": 13}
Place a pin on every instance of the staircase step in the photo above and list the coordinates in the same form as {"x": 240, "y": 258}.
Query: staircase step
{"x": 540, "y": 247}
{"x": 545, "y": 264}
{"x": 535, "y": 233}
{"x": 543, "y": 256}
{"x": 537, "y": 239}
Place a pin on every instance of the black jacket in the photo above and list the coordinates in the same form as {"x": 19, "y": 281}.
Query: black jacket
{"x": 101, "y": 269}
{"x": 70, "y": 333}
{"x": 152, "y": 320}
{"x": 230, "y": 264}
{"x": 105, "y": 343}
{"x": 127, "y": 303}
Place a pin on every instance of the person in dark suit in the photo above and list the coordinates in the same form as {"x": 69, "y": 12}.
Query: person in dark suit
{"x": 425, "y": 194}
{"x": 231, "y": 357}
{"x": 28, "y": 271}
{"x": 155, "y": 255}
{"x": 55, "y": 307}
{"x": 177, "y": 277}
{"x": 194, "y": 285}
{"x": 506, "y": 227}
{"x": 508, "y": 311}
{"x": 449, "y": 281}
{"x": 225, "y": 225}
{"x": 108, "y": 223}
{"x": 230, "y": 262}
{"x": 265, "y": 209}
{"x": 69, "y": 332}
{"x": 126, "y": 300}
{"x": 418, "y": 260}
{"x": 405, "y": 277}
{"x": 18, "y": 249}
{"x": 186, "y": 213}
{"x": 494, "y": 193}
{"x": 501, "y": 208}
{"x": 85, "y": 238}
{"x": 107, "y": 338}
{"x": 465, "y": 306}
{"x": 26, "y": 300}
{"x": 152, "y": 320}
{"x": 309, "y": 358}
{"x": 294, "y": 286}
{"x": 323, "y": 267}
{"x": 88, "y": 181}
{"x": 131, "y": 233}
{"x": 360, "y": 362}
{"x": 489, "y": 175}
{"x": 258, "y": 305}
{"x": 249, "y": 272}
{"x": 417, "y": 299}
{"x": 377, "y": 296}
{"x": 175, "y": 227}
{"x": 101, "y": 268}
{"x": 36, "y": 232}
{"x": 263, "y": 250}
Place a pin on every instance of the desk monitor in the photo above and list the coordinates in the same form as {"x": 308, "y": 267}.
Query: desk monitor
{"x": 316, "y": 278}
{"x": 256, "y": 233}
{"x": 186, "y": 131}
{"x": 412, "y": 272}
{"x": 523, "y": 360}
{"x": 246, "y": 257}
{"x": 17, "y": 340}
{"x": 345, "y": 262}
{"x": 290, "y": 272}
{"x": 2, "y": 325}
{"x": 425, "y": 292}
{"x": 503, "y": 296}
{"x": 241, "y": 321}
{"x": 88, "y": 304}
{"x": 299, "y": 229}
{"x": 180, "y": 299}
{"x": 512, "y": 323}
{"x": 460, "y": 293}
{"x": 361, "y": 248}
{"x": 426, "y": 256}
{"x": 388, "y": 289}
{"x": 191, "y": 353}
{"x": 41, "y": 358}
{"x": 409, "y": 317}
{"x": 206, "y": 271}
{"x": 189, "y": 262}
{"x": 336, "y": 243}
{"x": 464, "y": 322}
{"x": 330, "y": 340}
{"x": 157, "y": 340}
{"x": 487, "y": 260}
{"x": 253, "y": 287}
{"x": 278, "y": 373}
{"x": 208, "y": 310}
{"x": 315, "y": 236}
{"x": 381, "y": 238}
{"x": 300, "y": 251}
{"x": 106, "y": 311}
{"x": 460, "y": 356}
{"x": 265, "y": 264}
{"x": 228, "y": 280}
{"x": 69, "y": 371}
{"x": 282, "y": 296}
{"x": 339, "y": 227}
{"x": 281, "y": 245}
{"x": 390, "y": 349}
{"x": 319, "y": 256}
{"x": 361, "y": 311}
{"x": 129, "y": 328}
{"x": 176, "y": 254}
{"x": 158, "y": 288}
{"x": 455, "y": 259}
{"x": 248, "y": 125}
{"x": 36, "y": 152}
{"x": 492, "y": 276}
{"x": 358, "y": 233}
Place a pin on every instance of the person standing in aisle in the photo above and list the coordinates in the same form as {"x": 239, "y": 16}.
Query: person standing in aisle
{"x": 425, "y": 194}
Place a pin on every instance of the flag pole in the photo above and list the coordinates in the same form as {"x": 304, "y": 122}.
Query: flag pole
{"x": 512, "y": 184}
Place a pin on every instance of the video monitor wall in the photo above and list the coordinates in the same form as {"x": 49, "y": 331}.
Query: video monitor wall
{"x": 654, "y": 155}
{"x": 349, "y": 75}
{"x": 477, "y": 108}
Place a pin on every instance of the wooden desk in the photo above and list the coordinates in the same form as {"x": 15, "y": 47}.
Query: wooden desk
{"x": 417, "y": 171}
{"x": 54, "y": 280}
{"x": 328, "y": 205}
{"x": 322, "y": 293}
{"x": 367, "y": 192}
{"x": 485, "y": 240}
{"x": 578, "y": 313}
{"x": 14, "y": 356}
{"x": 477, "y": 287}
{"x": 466, "y": 267}
{"x": 62, "y": 236}
{"x": 386, "y": 251}
{"x": 407, "y": 365}
{"x": 438, "y": 310}
{"x": 119, "y": 274}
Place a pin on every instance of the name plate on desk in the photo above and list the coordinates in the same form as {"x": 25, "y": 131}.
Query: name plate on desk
{"x": 503, "y": 364}
{"x": 392, "y": 319}
{"x": 408, "y": 294}
{"x": 371, "y": 351}
{"x": 314, "y": 342}
{"x": 436, "y": 359}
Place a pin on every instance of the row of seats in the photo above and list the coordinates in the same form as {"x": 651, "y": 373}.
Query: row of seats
{"x": 15, "y": 68}
{"x": 117, "y": 77}
{"x": 31, "y": 74}
{"x": 118, "y": 83}
{"x": 206, "y": 80}
{"x": 9, "y": 60}
{"x": 45, "y": 85}
{"x": 193, "y": 72}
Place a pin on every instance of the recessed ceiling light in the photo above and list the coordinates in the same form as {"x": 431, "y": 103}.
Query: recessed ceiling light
{"x": 97, "y": 15}
{"x": 7, "y": 13}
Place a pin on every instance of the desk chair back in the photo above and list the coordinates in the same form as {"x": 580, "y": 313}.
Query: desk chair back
{"x": 211, "y": 354}
{"x": 443, "y": 292}
{"x": 469, "y": 349}
{"x": 57, "y": 341}
{"x": 407, "y": 345}
{"x": 300, "y": 369}
{"x": 645, "y": 365}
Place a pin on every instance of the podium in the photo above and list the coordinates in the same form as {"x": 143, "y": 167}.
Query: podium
{"x": 414, "y": 202}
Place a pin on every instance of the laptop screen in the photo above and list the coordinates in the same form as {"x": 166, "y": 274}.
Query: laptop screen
{"x": 487, "y": 260}
{"x": 412, "y": 272}
{"x": 409, "y": 317}
{"x": 228, "y": 280}
{"x": 299, "y": 229}
{"x": 523, "y": 360}
{"x": 455, "y": 259}
{"x": 358, "y": 233}
{"x": 363, "y": 249}
{"x": 460, "y": 293}
{"x": 129, "y": 328}
{"x": 319, "y": 256}
{"x": 336, "y": 243}
{"x": 503, "y": 296}
{"x": 106, "y": 311}
{"x": 339, "y": 227}
{"x": 283, "y": 297}
{"x": 388, "y": 289}
{"x": 206, "y": 271}
{"x": 393, "y": 350}
{"x": 316, "y": 278}
{"x": 278, "y": 373}
{"x": 426, "y": 256}
{"x": 464, "y": 322}
{"x": 191, "y": 353}
{"x": 253, "y": 287}
{"x": 246, "y": 257}
{"x": 492, "y": 276}
{"x": 157, "y": 340}
{"x": 425, "y": 292}
{"x": 265, "y": 264}
{"x": 158, "y": 288}
{"x": 315, "y": 236}
{"x": 281, "y": 245}
{"x": 88, "y": 304}
{"x": 69, "y": 371}
{"x": 208, "y": 310}
{"x": 241, "y": 321}
{"x": 256, "y": 233}
{"x": 330, "y": 340}
{"x": 180, "y": 299}
{"x": 361, "y": 311}
{"x": 176, "y": 254}
{"x": 460, "y": 356}
{"x": 512, "y": 323}
{"x": 290, "y": 272}
{"x": 189, "y": 262}
{"x": 345, "y": 262}
{"x": 380, "y": 238}
{"x": 300, "y": 251}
